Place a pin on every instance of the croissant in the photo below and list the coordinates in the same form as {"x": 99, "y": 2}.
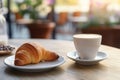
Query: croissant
{"x": 32, "y": 53}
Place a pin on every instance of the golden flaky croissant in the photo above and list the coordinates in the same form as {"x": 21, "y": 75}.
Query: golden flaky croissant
{"x": 31, "y": 53}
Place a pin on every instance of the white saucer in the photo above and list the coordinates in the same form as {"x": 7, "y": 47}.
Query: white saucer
{"x": 100, "y": 56}
{"x": 42, "y": 66}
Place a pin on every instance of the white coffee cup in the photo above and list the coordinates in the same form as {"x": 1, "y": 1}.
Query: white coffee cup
{"x": 87, "y": 45}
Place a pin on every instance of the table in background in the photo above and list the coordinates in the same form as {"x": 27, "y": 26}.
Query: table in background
{"x": 108, "y": 69}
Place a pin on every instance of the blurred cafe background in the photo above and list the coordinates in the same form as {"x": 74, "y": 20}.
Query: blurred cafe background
{"x": 60, "y": 19}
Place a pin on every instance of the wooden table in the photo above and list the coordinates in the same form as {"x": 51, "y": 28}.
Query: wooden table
{"x": 108, "y": 69}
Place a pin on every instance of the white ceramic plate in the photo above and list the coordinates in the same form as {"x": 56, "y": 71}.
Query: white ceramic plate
{"x": 42, "y": 66}
{"x": 100, "y": 56}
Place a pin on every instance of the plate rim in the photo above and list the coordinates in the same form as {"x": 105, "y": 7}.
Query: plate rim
{"x": 30, "y": 68}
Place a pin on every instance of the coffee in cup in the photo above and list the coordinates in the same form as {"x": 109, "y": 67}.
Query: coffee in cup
{"x": 87, "y": 45}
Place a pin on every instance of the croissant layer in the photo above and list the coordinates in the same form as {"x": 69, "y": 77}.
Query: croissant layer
{"x": 32, "y": 53}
